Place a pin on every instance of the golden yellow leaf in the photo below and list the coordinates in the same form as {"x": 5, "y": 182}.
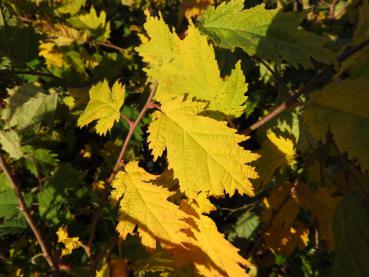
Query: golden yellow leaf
{"x": 282, "y": 233}
{"x": 146, "y": 206}
{"x": 210, "y": 252}
{"x": 191, "y": 8}
{"x": 52, "y": 56}
{"x": 321, "y": 205}
{"x": 286, "y": 240}
{"x": 204, "y": 153}
{"x": 189, "y": 66}
{"x": 70, "y": 243}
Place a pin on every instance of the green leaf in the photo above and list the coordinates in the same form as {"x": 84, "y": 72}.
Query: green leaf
{"x": 104, "y": 106}
{"x": 19, "y": 44}
{"x": 10, "y": 143}
{"x": 351, "y": 224}
{"x": 269, "y": 34}
{"x": 39, "y": 160}
{"x": 245, "y": 226}
{"x": 27, "y": 106}
{"x": 358, "y": 63}
{"x": 13, "y": 226}
{"x": 8, "y": 199}
{"x": 342, "y": 109}
{"x": 53, "y": 197}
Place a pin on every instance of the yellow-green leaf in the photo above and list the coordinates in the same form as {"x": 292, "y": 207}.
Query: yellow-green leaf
{"x": 104, "y": 106}
{"x": 270, "y": 34}
{"x": 188, "y": 66}
{"x": 204, "y": 153}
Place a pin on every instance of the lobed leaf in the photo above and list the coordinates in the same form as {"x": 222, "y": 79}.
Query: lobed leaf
{"x": 269, "y": 34}
{"x": 204, "y": 153}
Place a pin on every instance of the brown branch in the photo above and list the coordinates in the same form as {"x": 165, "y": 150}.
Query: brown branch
{"x": 25, "y": 72}
{"x": 50, "y": 259}
{"x": 309, "y": 86}
{"x": 119, "y": 162}
{"x": 108, "y": 45}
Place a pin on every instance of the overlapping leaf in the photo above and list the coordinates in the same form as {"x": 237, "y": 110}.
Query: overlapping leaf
{"x": 146, "y": 206}
{"x": 276, "y": 152}
{"x": 203, "y": 153}
{"x": 351, "y": 235}
{"x": 343, "y": 110}
{"x": 321, "y": 204}
{"x": 188, "y": 66}
{"x": 210, "y": 252}
{"x": 104, "y": 106}
{"x": 27, "y": 106}
{"x": 269, "y": 34}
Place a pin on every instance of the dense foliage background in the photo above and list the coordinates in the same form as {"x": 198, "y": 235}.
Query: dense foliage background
{"x": 310, "y": 212}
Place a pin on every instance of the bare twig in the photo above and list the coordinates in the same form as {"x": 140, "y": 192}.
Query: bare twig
{"x": 108, "y": 45}
{"x": 50, "y": 259}
{"x": 25, "y": 72}
{"x": 309, "y": 86}
{"x": 119, "y": 162}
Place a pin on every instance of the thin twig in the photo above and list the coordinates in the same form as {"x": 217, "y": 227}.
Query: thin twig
{"x": 27, "y": 215}
{"x": 309, "y": 86}
{"x": 25, "y": 72}
{"x": 108, "y": 45}
{"x": 127, "y": 119}
{"x": 119, "y": 162}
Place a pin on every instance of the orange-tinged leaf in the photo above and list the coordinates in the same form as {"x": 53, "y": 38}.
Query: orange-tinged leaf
{"x": 286, "y": 240}
{"x": 321, "y": 205}
{"x": 282, "y": 233}
{"x": 192, "y": 8}
{"x": 210, "y": 252}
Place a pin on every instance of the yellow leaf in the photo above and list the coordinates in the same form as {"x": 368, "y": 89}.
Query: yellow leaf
{"x": 146, "y": 205}
{"x": 210, "y": 252}
{"x": 53, "y": 57}
{"x": 204, "y": 153}
{"x": 70, "y": 243}
{"x": 104, "y": 106}
{"x": 276, "y": 152}
{"x": 63, "y": 35}
{"x": 189, "y": 66}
